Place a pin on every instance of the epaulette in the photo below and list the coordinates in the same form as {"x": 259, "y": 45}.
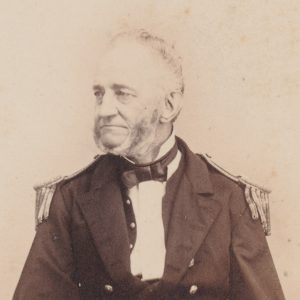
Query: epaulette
{"x": 257, "y": 197}
{"x": 46, "y": 190}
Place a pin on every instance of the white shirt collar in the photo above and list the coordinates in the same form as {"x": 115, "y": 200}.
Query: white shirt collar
{"x": 167, "y": 145}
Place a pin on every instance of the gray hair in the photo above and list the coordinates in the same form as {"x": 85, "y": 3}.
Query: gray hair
{"x": 166, "y": 52}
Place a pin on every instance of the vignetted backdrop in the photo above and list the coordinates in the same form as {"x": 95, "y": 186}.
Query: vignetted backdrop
{"x": 242, "y": 72}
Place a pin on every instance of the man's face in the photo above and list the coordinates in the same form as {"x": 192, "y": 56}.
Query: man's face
{"x": 129, "y": 95}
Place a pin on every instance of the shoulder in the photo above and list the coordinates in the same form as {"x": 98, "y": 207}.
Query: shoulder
{"x": 73, "y": 177}
{"x": 253, "y": 196}
{"x": 65, "y": 184}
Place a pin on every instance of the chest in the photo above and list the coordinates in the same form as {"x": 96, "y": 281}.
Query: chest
{"x": 208, "y": 267}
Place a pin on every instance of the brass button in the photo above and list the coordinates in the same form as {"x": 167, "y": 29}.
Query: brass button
{"x": 128, "y": 202}
{"x": 130, "y": 246}
{"x": 79, "y": 284}
{"x": 55, "y": 237}
{"x": 108, "y": 288}
{"x": 192, "y": 262}
{"x": 193, "y": 289}
{"x": 132, "y": 225}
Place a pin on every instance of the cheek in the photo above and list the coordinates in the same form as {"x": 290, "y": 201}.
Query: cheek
{"x": 133, "y": 114}
{"x": 148, "y": 116}
{"x": 141, "y": 111}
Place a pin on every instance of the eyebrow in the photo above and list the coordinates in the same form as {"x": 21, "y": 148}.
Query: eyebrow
{"x": 117, "y": 86}
{"x": 97, "y": 87}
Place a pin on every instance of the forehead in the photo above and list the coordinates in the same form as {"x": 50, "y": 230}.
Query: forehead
{"x": 132, "y": 64}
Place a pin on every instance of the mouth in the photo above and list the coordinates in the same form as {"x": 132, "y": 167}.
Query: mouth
{"x": 112, "y": 126}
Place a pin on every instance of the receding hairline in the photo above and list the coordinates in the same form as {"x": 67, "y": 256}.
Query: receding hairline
{"x": 159, "y": 47}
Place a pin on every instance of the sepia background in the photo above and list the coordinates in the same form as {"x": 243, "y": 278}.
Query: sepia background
{"x": 242, "y": 71}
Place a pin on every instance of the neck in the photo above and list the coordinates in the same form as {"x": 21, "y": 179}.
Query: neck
{"x": 152, "y": 151}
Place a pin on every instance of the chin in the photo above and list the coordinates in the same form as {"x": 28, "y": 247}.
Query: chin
{"x": 121, "y": 148}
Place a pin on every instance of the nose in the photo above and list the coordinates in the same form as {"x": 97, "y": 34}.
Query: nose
{"x": 107, "y": 107}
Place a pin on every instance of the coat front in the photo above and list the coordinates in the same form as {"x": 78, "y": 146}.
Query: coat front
{"x": 214, "y": 249}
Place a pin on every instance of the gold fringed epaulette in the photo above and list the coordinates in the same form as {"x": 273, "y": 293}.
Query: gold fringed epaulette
{"x": 44, "y": 195}
{"x": 45, "y": 192}
{"x": 257, "y": 197}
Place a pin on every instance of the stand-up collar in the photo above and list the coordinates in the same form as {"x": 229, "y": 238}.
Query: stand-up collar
{"x": 195, "y": 169}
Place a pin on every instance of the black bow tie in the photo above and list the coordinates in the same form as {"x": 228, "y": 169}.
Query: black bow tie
{"x": 158, "y": 170}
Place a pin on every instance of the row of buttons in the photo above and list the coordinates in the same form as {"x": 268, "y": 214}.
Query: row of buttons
{"x": 192, "y": 291}
{"x": 132, "y": 225}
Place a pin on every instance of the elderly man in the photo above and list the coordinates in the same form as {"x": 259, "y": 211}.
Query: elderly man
{"x": 149, "y": 219}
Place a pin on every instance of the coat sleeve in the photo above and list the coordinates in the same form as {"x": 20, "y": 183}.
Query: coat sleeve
{"x": 253, "y": 275}
{"x": 49, "y": 267}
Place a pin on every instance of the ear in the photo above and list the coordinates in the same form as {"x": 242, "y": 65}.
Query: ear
{"x": 171, "y": 107}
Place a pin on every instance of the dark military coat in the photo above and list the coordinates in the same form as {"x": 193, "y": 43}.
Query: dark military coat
{"x": 214, "y": 249}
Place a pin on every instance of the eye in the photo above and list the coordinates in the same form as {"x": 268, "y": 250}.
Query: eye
{"x": 124, "y": 96}
{"x": 122, "y": 93}
{"x": 99, "y": 95}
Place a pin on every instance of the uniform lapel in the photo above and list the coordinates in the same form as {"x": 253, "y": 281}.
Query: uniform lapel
{"x": 194, "y": 211}
{"x": 102, "y": 208}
